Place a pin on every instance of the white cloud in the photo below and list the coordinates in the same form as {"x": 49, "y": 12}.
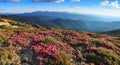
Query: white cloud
{"x": 15, "y": 0}
{"x": 74, "y": 9}
{"x": 108, "y": 3}
{"x": 115, "y": 4}
{"x": 75, "y": 0}
{"x": 58, "y": 1}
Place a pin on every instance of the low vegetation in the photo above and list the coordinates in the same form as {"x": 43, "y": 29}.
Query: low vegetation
{"x": 28, "y": 45}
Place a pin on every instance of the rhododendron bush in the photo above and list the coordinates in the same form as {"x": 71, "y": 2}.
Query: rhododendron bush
{"x": 41, "y": 46}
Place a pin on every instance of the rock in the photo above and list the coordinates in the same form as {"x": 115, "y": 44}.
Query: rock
{"x": 26, "y": 55}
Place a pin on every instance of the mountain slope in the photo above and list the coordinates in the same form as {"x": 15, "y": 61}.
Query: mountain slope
{"x": 113, "y": 33}
{"x": 28, "y": 45}
{"x": 95, "y": 26}
{"x": 49, "y": 22}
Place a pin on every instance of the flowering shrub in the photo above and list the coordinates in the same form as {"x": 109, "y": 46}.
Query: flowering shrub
{"x": 46, "y": 54}
{"x": 57, "y": 47}
{"x": 53, "y": 52}
{"x": 19, "y": 40}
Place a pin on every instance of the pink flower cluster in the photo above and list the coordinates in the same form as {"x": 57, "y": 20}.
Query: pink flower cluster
{"x": 91, "y": 49}
{"x": 101, "y": 64}
{"x": 23, "y": 41}
{"x": 76, "y": 38}
{"x": 37, "y": 39}
{"x": 92, "y": 34}
{"x": 46, "y": 53}
{"x": 86, "y": 42}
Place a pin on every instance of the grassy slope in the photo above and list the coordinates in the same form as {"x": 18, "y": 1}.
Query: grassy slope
{"x": 113, "y": 33}
{"x": 54, "y": 46}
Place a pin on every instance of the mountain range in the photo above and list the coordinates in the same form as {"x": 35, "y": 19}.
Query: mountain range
{"x": 65, "y": 20}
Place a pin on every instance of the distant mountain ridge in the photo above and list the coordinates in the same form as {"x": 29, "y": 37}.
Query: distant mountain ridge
{"x": 81, "y": 22}
{"x": 74, "y": 16}
{"x": 94, "y": 23}
{"x": 50, "y": 22}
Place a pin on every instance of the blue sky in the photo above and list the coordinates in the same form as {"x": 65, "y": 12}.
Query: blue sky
{"x": 97, "y": 7}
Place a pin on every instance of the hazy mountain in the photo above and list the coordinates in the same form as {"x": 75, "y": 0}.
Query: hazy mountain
{"x": 74, "y": 16}
{"x": 103, "y": 26}
{"x": 90, "y": 23}
{"x": 51, "y": 22}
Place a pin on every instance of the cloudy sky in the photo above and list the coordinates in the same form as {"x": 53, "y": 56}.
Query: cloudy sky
{"x": 97, "y": 7}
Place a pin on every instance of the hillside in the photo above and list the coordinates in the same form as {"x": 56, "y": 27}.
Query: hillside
{"x": 28, "y": 45}
{"x": 50, "y": 22}
{"x": 95, "y": 26}
{"x": 113, "y": 33}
